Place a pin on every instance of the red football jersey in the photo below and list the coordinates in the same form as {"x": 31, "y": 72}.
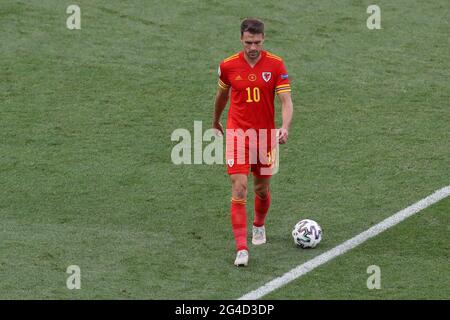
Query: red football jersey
{"x": 253, "y": 89}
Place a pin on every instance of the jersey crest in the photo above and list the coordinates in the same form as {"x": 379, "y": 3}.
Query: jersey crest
{"x": 267, "y": 76}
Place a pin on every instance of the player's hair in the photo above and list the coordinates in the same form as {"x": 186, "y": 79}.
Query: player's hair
{"x": 252, "y": 25}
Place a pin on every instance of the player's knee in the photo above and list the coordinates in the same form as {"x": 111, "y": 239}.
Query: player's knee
{"x": 262, "y": 191}
{"x": 240, "y": 191}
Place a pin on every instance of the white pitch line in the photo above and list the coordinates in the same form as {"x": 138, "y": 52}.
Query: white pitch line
{"x": 347, "y": 245}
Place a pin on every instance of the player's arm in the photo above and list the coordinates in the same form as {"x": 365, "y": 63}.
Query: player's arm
{"x": 219, "y": 105}
{"x": 287, "y": 111}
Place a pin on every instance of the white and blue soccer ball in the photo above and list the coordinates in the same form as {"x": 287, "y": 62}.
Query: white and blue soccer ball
{"x": 307, "y": 233}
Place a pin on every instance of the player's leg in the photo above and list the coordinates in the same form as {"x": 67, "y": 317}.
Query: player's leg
{"x": 239, "y": 216}
{"x": 262, "y": 204}
{"x": 238, "y": 169}
{"x": 262, "y": 172}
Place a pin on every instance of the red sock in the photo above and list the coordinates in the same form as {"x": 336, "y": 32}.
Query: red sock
{"x": 239, "y": 223}
{"x": 261, "y": 208}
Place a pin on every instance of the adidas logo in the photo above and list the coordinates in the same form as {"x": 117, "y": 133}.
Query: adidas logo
{"x": 238, "y": 78}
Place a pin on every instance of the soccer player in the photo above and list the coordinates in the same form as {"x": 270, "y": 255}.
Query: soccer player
{"x": 254, "y": 76}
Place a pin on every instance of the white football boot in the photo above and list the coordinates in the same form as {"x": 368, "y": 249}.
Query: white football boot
{"x": 241, "y": 258}
{"x": 259, "y": 235}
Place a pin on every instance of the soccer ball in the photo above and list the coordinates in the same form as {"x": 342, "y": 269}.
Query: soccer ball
{"x": 307, "y": 233}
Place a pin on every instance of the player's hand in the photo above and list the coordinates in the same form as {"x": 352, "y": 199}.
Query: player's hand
{"x": 283, "y": 134}
{"x": 218, "y": 127}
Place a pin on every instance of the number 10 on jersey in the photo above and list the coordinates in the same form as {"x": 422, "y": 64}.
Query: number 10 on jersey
{"x": 253, "y": 95}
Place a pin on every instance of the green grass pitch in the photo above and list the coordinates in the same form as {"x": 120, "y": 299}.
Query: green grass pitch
{"x": 85, "y": 171}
